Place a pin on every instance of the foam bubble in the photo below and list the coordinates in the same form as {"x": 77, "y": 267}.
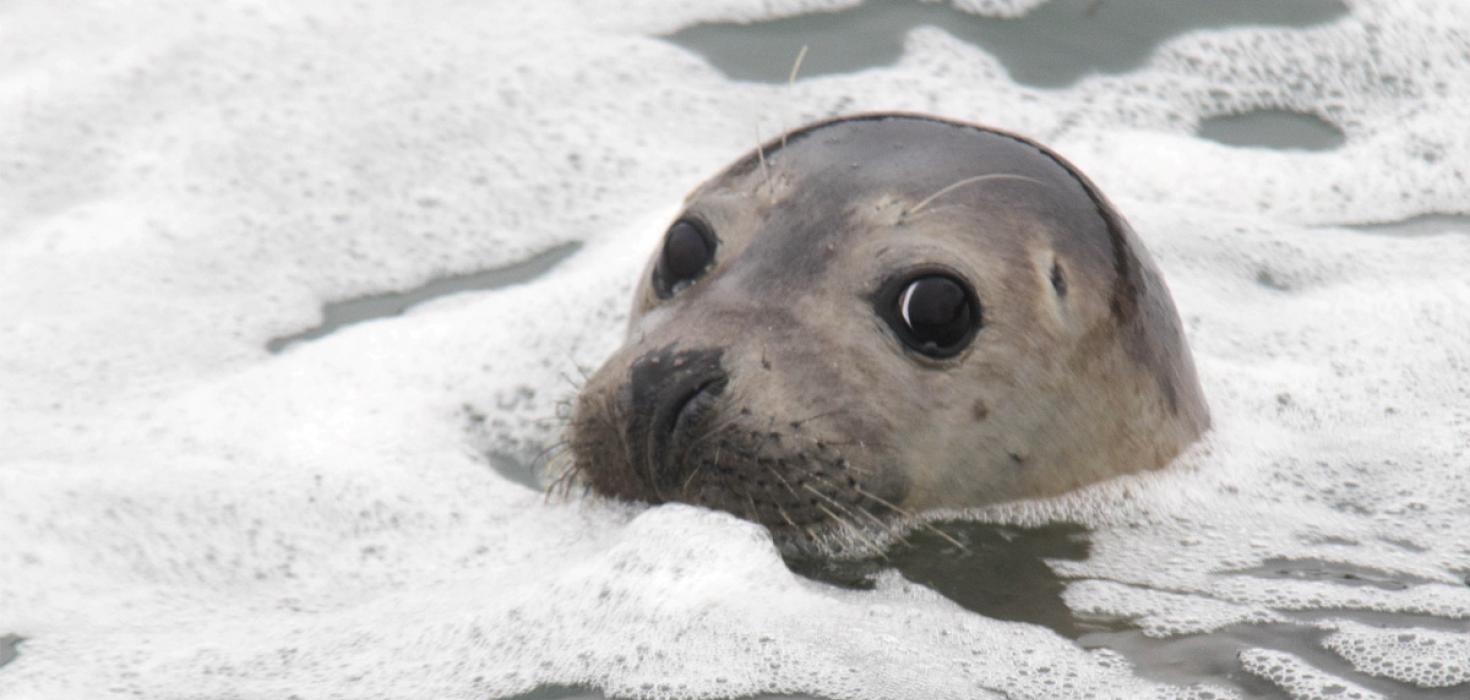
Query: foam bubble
{"x": 1299, "y": 679}
{"x": 1422, "y": 657}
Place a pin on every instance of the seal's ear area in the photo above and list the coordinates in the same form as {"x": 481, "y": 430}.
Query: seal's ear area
{"x": 1141, "y": 305}
{"x": 688, "y": 252}
{"x": 933, "y": 311}
{"x": 1058, "y": 278}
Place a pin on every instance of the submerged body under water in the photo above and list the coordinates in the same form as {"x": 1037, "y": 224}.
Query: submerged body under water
{"x": 209, "y": 488}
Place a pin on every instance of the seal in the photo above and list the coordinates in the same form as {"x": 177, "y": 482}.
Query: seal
{"x": 882, "y": 314}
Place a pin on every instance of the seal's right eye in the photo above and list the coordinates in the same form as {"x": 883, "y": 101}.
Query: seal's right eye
{"x": 688, "y": 250}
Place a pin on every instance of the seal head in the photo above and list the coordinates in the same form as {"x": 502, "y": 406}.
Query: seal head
{"x": 882, "y": 314}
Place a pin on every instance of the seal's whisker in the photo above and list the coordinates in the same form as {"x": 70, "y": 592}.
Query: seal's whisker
{"x": 651, "y": 472}
{"x": 922, "y": 523}
{"x": 795, "y": 68}
{"x": 853, "y": 531}
{"x": 715, "y": 431}
{"x": 862, "y": 443}
{"x": 783, "y": 481}
{"x": 576, "y": 386}
{"x": 695, "y": 472}
{"x": 791, "y": 83}
{"x": 869, "y": 541}
{"x": 851, "y": 526}
{"x": 561, "y": 482}
{"x": 889, "y": 528}
{"x": 546, "y": 455}
{"x": 967, "y": 181}
{"x": 760, "y": 153}
{"x": 611, "y": 418}
{"x": 883, "y": 502}
{"x": 876, "y": 520}
{"x": 585, "y": 372}
{"x": 787, "y": 517}
{"x": 754, "y": 512}
{"x": 684, "y": 489}
{"x": 823, "y": 414}
{"x": 819, "y": 494}
{"x": 831, "y": 516}
{"x": 557, "y": 468}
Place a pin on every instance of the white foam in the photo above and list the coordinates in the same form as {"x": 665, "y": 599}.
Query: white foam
{"x": 1301, "y": 680}
{"x": 184, "y": 514}
{"x": 1425, "y": 658}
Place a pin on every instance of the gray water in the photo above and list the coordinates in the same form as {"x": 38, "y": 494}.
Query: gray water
{"x": 338, "y": 314}
{"x": 1428, "y": 225}
{"x": 9, "y": 648}
{"x": 1272, "y": 128}
{"x": 1052, "y": 46}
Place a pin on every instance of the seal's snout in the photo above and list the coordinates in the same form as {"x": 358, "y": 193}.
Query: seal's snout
{"x": 673, "y": 397}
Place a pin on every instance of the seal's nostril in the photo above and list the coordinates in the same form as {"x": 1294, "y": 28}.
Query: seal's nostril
{"x": 684, "y": 408}
{"x": 688, "y": 409}
{"x": 671, "y": 394}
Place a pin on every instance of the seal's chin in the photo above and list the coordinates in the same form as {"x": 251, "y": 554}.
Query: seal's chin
{"x": 808, "y": 493}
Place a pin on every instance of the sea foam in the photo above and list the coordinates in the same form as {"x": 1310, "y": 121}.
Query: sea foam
{"x": 185, "y": 514}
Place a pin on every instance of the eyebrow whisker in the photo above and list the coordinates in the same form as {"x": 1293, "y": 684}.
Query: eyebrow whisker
{"x": 968, "y": 181}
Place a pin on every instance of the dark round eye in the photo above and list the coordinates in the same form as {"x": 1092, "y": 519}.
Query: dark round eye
{"x": 935, "y": 314}
{"x": 688, "y": 251}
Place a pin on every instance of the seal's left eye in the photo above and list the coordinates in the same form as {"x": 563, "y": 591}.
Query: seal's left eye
{"x": 688, "y": 251}
{"x": 934, "y": 314}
